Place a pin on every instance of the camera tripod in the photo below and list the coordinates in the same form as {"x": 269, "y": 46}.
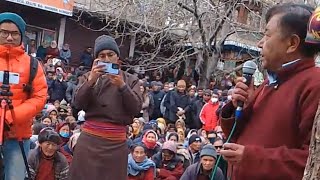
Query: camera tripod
{"x": 6, "y": 104}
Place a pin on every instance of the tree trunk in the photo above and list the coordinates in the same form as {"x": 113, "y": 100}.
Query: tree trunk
{"x": 209, "y": 66}
{"x": 312, "y": 170}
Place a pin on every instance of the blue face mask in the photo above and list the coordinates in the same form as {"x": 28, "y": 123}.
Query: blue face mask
{"x": 64, "y": 134}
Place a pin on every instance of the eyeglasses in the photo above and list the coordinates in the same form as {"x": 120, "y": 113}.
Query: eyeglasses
{"x": 5, "y": 34}
{"x": 218, "y": 147}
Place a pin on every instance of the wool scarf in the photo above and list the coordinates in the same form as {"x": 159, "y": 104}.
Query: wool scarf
{"x": 135, "y": 168}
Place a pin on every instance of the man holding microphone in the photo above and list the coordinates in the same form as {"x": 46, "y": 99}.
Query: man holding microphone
{"x": 271, "y": 140}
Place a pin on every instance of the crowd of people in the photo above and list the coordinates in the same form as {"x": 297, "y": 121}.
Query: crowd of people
{"x": 176, "y": 129}
{"x": 140, "y": 127}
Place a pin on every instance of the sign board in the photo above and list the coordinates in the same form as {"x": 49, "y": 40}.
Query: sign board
{"x": 64, "y": 7}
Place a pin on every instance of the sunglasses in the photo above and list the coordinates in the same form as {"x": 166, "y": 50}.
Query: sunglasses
{"x": 218, "y": 147}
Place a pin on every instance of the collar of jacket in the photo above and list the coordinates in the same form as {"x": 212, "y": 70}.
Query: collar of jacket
{"x": 288, "y": 71}
{"x": 11, "y": 52}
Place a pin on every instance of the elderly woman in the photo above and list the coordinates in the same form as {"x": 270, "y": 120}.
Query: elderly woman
{"x": 46, "y": 162}
{"x": 110, "y": 101}
{"x": 139, "y": 166}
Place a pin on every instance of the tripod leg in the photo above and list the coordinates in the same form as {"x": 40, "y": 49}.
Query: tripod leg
{"x": 25, "y": 159}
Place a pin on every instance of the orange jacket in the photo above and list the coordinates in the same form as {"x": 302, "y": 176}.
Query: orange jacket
{"x": 14, "y": 59}
{"x": 208, "y": 116}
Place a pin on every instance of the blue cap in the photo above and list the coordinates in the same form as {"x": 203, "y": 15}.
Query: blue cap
{"x": 16, "y": 19}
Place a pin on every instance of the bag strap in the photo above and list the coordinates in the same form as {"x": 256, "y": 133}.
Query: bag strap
{"x": 33, "y": 72}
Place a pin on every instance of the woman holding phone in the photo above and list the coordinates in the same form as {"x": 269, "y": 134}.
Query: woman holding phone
{"x": 110, "y": 101}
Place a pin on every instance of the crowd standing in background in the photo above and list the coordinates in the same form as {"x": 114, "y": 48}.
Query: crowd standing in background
{"x": 160, "y": 125}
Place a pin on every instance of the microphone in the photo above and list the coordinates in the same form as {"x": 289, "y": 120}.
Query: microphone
{"x": 248, "y": 69}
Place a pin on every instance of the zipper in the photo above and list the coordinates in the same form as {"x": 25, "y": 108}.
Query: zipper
{"x": 7, "y": 60}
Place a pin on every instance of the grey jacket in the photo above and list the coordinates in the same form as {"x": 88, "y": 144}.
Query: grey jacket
{"x": 191, "y": 173}
{"x": 105, "y": 102}
{"x": 61, "y": 167}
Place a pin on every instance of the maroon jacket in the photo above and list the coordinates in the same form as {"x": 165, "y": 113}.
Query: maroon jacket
{"x": 276, "y": 125}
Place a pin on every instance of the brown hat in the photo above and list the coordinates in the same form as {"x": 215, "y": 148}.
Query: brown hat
{"x": 182, "y": 83}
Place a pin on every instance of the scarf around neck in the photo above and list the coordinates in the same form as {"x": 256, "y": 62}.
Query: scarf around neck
{"x": 135, "y": 168}
{"x": 148, "y": 144}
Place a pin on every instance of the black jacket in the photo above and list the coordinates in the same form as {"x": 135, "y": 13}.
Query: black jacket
{"x": 178, "y": 100}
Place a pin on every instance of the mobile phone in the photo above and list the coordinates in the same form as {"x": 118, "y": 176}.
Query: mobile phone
{"x": 110, "y": 68}
{"x": 14, "y": 78}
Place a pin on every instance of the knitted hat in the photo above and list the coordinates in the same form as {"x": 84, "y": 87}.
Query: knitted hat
{"x": 169, "y": 145}
{"x": 209, "y": 150}
{"x": 182, "y": 83}
{"x": 16, "y": 19}
{"x": 48, "y": 134}
{"x": 313, "y": 33}
{"x": 194, "y": 138}
{"x": 105, "y": 42}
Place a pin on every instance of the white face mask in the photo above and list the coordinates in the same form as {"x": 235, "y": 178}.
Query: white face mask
{"x": 229, "y": 98}
{"x": 214, "y": 99}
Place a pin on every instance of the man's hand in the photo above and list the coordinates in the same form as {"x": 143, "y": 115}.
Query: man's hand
{"x": 241, "y": 91}
{"x": 116, "y": 80}
{"x": 96, "y": 71}
{"x": 233, "y": 153}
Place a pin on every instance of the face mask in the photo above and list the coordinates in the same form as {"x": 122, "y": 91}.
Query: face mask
{"x": 214, "y": 100}
{"x": 229, "y": 98}
{"x": 64, "y": 134}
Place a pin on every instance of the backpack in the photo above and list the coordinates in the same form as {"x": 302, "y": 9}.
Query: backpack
{"x": 33, "y": 72}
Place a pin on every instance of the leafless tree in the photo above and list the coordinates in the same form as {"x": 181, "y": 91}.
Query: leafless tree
{"x": 167, "y": 32}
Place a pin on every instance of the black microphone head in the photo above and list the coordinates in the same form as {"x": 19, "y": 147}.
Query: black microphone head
{"x": 249, "y": 67}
